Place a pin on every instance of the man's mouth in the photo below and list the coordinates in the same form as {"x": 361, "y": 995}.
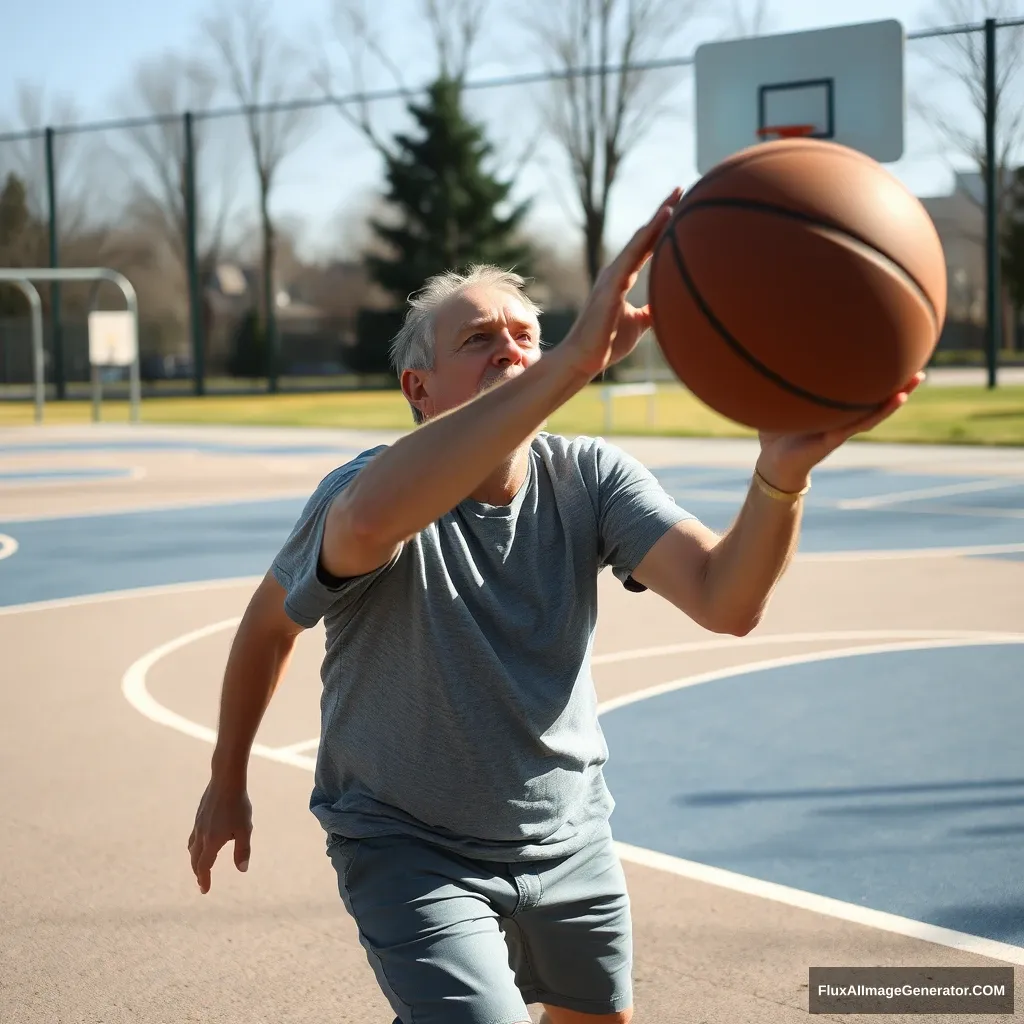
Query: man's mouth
{"x": 492, "y": 381}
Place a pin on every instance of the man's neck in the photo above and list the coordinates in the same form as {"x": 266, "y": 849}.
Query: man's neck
{"x": 504, "y": 483}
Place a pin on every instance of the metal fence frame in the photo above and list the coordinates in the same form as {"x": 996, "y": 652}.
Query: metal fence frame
{"x": 993, "y": 314}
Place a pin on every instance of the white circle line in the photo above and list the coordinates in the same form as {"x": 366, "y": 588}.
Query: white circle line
{"x": 820, "y": 636}
{"x": 8, "y": 545}
{"x": 133, "y": 686}
{"x": 984, "y": 640}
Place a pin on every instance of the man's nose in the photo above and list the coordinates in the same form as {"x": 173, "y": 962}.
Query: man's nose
{"x": 508, "y": 351}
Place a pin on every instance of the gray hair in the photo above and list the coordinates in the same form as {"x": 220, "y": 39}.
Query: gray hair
{"x": 413, "y": 346}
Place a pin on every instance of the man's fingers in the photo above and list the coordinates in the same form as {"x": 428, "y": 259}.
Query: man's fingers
{"x": 242, "y": 852}
{"x": 204, "y": 862}
{"x": 639, "y": 319}
{"x": 195, "y": 851}
{"x": 881, "y": 415}
{"x": 870, "y": 422}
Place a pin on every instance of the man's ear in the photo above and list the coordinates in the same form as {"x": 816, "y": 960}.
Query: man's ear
{"x": 415, "y": 389}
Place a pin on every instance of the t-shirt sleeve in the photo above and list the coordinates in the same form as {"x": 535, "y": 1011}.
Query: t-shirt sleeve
{"x": 310, "y": 590}
{"x": 634, "y": 512}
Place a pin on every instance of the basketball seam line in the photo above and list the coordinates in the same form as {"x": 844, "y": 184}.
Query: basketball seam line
{"x": 749, "y": 357}
{"x": 783, "y": 211}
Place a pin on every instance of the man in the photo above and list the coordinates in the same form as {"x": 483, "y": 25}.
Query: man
{"x": 459, "y": 773}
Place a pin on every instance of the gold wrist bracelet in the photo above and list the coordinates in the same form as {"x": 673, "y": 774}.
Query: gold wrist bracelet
{"x": 774, "y": 493}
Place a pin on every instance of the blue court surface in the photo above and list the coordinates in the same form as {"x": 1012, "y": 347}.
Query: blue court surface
{"x": 71, "y": 556}
{"x": 891, "y": 780}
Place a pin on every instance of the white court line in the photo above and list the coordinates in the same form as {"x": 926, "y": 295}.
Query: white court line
{"x": 895, "y": 497}
{"x": 298, "y": 748}
{"x": 163, "y": 506}
{"x": 824, "y": 905}
{"x": 130, "y": 594}
{"x": 33, "y": 483}
{"x": 8, "y": 545}
{"x": 967, "y": 640}
{"x": 134, "y": 688}
{"x": 851, "y": 505}
{"x": 792, "y": 638}
{"x": 978, "y": 512}
{"x": 900, "y": 554}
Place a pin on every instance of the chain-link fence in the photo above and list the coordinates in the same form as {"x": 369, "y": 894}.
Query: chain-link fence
{"x": 176, "y": 202}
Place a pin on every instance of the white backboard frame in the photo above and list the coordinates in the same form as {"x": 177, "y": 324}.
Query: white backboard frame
{"x": 113, "y": 339}
{"x": 742, "y": 83}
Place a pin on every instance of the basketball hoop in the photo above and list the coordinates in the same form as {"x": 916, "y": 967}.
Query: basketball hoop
{"x": 785, "y": 131}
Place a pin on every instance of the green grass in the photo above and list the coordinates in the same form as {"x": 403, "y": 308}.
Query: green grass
{"x": 935, "y": 415}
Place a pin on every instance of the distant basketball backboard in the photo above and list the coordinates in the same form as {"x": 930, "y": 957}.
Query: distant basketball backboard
{"x": 844, "y": 83}
{"x": 112, "y": 338}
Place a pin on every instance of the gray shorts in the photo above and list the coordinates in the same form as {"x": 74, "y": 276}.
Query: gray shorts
{"x": 460, "y": 941}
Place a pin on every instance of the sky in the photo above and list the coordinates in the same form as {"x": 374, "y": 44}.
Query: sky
{"x": 89, "y": 53}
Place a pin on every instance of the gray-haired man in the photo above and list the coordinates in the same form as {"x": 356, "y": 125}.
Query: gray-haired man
{"x": 459, "y": 776}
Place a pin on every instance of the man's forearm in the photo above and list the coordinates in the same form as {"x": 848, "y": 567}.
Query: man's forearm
{"x": 428, "y": 472}
{"x": 255, "y": 666}
{"x": 746, "y": 564}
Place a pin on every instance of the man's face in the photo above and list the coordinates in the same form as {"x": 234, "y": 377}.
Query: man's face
{"x": 484, "y": 337}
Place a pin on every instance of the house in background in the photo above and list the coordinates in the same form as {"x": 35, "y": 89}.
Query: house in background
{"x": 316, "y": 308}
{"x": 960, "y": 221}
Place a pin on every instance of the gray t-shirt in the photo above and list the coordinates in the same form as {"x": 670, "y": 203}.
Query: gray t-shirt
{"x": 458, "y": 704}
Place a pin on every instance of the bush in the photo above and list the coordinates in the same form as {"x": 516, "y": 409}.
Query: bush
{"x": 248, "y": 348}
{"x": 374, "y": 330}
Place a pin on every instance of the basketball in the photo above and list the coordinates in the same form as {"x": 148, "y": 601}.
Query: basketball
{"x": 797, "y": 287}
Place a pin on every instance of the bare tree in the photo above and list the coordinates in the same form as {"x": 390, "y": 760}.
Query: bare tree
{"x": 961, "y": 57}
{"x": 455, "y": 27}
{"x": 748, "y": 19}
{"x": 256, "y": 66}
{"x": 26, "y": 158}
{"x": 164, "y": 88}
{"x": 598, "y": 117}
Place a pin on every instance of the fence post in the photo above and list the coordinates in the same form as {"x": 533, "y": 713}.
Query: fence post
{"x": 993, "y": 311}
{"x": 195, "y": 294}
{"x": 58, "y": 336}
{"x": 271, "y": 337}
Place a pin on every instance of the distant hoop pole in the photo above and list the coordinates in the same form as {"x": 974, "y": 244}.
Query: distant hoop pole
{"x": 24, "y": 275}
{"x": 28, "y": 289}
{"x": 785, "y": 131}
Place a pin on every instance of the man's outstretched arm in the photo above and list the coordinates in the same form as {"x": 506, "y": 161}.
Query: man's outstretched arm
{"x": 429, "y": 471}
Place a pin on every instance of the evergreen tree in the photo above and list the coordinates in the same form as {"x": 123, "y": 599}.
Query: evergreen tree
{"x": 15, "y": 230}
{"x": 446, "y": 199}
{"x": 14, "y": 216}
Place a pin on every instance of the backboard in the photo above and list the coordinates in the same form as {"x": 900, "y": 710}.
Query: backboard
{"x": 846, "y": 82}
{"x": 113, "y": 338}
